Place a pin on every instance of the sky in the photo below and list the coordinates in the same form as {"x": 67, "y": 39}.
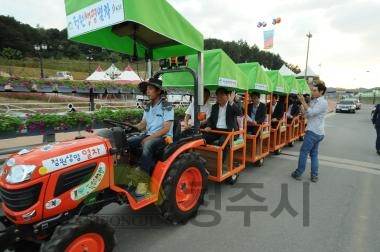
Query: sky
{"x": 344, "y": 47}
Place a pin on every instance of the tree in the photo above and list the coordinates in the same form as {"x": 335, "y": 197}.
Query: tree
{"x": 9, "y": 54}
{"x": 241, "y": 52}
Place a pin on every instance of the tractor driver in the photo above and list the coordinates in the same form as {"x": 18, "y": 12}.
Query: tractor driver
{"x": 157, "y": 120}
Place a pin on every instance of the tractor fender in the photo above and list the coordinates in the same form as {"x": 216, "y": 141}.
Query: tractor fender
{"x": 162, "y": 167}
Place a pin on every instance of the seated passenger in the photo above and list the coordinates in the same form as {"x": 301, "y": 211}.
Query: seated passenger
{"x": 223, "y": 117}
{"x": 158, "y": 122}
{"x": 189, "y": 114}
{"x": 278, "y": 109}
{"x": 293, "y": 108}
{"x": 256, "y": 113}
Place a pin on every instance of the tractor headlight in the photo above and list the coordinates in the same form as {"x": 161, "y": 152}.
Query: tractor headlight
{"x": 20, "y": 173}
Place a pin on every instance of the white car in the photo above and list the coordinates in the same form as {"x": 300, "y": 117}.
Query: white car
{"x": 356, "y": 101}
{"x": 63, "y": 75}
{"x": 346, "y": 106}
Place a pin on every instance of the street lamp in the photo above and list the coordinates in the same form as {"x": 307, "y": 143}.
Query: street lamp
{"x": 309, "y": 35}
{"x": 39, "y": 48}
{"x": 89, "y": 58}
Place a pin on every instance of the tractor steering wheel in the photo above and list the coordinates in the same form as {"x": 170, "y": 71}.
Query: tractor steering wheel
{"x": 125, "y": 125}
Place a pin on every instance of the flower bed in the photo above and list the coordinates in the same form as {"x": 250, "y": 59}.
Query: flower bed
{"x": 40, "y": 123}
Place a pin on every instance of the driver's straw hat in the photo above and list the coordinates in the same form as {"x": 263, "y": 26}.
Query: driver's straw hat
{"x": 152, "y": 82}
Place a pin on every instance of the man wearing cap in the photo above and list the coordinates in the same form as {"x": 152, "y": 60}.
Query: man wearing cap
{"x": 157, "y": 120}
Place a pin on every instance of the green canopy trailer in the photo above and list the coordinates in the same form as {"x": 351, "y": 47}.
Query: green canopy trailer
{"x": 293, "y": 122}
{"x": 305, "y": 90}
{"x": 278, "y": 81}
{"x": 141, "y": 28}
{"x": 304, "y": 87}
{"x": 219, "y": 71}
{"x": 257, "y": 78}
{"x": 293, "y": 86}
{"x": 278, "y": 128}
{"x": 257, "y": 143}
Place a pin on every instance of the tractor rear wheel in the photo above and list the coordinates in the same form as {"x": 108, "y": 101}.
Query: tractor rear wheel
{"x": 82, "y": 233}
{"x": 183, "y": 188}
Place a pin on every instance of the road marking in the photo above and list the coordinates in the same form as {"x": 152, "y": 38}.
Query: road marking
{"x": 339, "y": 160}
{"x": 341, "y": 165}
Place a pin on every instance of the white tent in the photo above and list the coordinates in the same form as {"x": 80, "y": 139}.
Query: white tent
{"x": 128, "y": 76}
{"x": 113, "y": 72}
{"x": 309, "y": 73}
{"x": 284, "y": 70}
{"x": 98, "y": 75}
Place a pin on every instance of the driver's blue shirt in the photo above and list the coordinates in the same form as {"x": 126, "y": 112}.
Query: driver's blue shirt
{"x": 156, "y": 115}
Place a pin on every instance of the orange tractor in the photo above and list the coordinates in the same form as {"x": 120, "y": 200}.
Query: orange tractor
{"x": 50, "y": 193}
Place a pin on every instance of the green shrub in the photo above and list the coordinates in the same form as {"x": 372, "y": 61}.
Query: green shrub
{"x": 10, "y": 123}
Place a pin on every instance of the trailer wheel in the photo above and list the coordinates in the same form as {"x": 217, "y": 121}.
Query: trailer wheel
{"x": 233, "y": 179}
{"x": 260, "y": 162}
{"x": 278, "y": 152}
{"x": 291, "y": 144}
{"x": 82, "y": 233}
{"x": 184, "y": 187}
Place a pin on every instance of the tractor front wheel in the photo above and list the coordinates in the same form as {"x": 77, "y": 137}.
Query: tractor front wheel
{"x": 183, "y": 188}
{"x": 82, "y": 233}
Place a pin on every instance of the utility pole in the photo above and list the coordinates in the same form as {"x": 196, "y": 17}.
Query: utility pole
{"x": 309, "y": 35}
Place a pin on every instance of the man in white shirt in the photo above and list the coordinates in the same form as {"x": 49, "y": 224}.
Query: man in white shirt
{"x": 206, "y": 108}
{"x": 223, "y": 116}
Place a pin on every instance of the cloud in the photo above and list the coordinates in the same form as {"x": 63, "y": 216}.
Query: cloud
{"x": 345, "y": 33}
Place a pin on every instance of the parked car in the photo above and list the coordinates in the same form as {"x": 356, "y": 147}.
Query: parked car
{"x": 62, "y": 75}
{"x": 346, "y": 106}
{"x": 356, "y": 101}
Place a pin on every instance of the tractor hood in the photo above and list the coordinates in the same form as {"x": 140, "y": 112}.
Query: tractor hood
{"x": 44, "y": 159}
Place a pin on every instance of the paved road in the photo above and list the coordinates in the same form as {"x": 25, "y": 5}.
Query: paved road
{"x": 339, "y": 213}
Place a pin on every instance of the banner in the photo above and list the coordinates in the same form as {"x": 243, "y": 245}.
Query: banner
{"x": 96, "y": 16}
{"x": 268, "y": 39}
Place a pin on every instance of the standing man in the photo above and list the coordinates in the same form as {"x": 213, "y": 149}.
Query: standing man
{"x": 223, "y": 117}
{"x": 158, "y": 122}
{"x": 315, "y": 131}
{"x": 376, "y": 124}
